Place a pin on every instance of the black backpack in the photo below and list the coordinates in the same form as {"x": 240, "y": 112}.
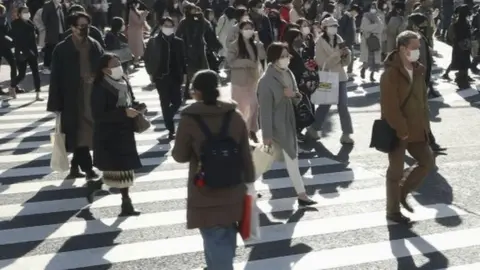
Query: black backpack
{"x": 220, "y": 156}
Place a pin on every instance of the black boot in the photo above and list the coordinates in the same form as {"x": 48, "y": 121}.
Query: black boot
{"x": 462, "y": 81}
{"x": 75, "y": 173}
{"x": 362, "y": 73}
{"x": 92, "y": 188}
{"x": 127, "y": 208}
{"x": 91, "y": 175}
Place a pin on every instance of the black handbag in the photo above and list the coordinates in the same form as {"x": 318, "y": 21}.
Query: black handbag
{"x": 304, "y": 113}
{"x": 384, "y": 137}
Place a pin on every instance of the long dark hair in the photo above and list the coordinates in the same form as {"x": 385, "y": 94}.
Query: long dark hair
{"x": 290, "y": 36}
{"x": 206, "y": 82}
{"x": 103, "y": 63}
{"x": 242, "y": 49}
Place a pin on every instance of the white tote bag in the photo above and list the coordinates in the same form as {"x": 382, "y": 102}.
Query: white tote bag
{"x": 263, "y": 157}
{"x": 328, "y": 88}
{"x": 59, "y": 159}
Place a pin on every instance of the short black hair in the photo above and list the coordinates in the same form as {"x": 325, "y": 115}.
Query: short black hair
{"x": 274, "y": 51}
{"x": 165, "y": 19}
{"x": 76, "y": 8}
{"x": 355, "y": 7}
{"x": 73, "y": 18}
{"x": 21, "y": 9}
{"x": 254, "y": 3}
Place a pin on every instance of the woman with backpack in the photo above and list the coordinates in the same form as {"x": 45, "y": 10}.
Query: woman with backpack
{"x": 278, "y": 94}
{"x": 216, "y": 184}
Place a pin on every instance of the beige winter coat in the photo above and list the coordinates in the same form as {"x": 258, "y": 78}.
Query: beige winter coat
{"x": 331, "y": 57}
{"x": 368, "y": 28}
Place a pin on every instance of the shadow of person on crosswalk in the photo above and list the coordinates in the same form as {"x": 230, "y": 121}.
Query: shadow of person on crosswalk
{"x": 43, "y": 209}
{"x": 25, "y": 172}
{"x": 436, "y": 190}
{"x": 22, "y": 147}
{"x": 102, "y": 242}
{"x": 399, "y": 235}
{"x": 342, "y": 157}
{"x": 435, "y": 107}
{"x": 282, "y": 247}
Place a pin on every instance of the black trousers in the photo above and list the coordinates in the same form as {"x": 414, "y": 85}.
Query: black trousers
{"x": 8, "y": 55}
{"x": 170, "y": 94}
{"x": 22, "y": 69}
{"x": 83, "y": 159}
{"x": 47, "y": 59}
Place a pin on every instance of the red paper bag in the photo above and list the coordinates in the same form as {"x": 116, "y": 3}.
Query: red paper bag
{"x": 250, "y": 224}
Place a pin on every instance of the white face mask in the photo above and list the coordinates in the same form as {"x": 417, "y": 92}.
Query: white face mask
{"x": 117, "y": 73}
{"x": 373, "y": 11}
{"x": 247, "y": 33}
{"x": 331, "y": 31}
{"x": 414, "y": 55}
{"x": 26, "y": 16}
{"x": 167, "y": 31}
{"x": 306, "y": 30}
{"x": 122, "y": 28}
{"x": 284, "y": 62}
{"x": 245, "y": 18}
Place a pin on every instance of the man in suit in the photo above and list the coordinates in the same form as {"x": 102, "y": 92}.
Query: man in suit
{"x": 53, "y": 17}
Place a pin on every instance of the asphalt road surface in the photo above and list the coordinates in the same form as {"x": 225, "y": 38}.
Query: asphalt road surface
{"x": 45, "y": 222}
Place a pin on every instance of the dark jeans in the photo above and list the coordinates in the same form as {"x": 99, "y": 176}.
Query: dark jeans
{"x": 82, "y": 158}
{"x": 47, "y": 59}
{"x": 170, "y": 94}
{"x": 22, "y": 69}
{"x": 219, "y": 245}
{"x": 8, "y": 55}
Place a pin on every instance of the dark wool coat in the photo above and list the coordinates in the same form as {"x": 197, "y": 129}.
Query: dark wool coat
{"x": 65, "y": 83}
{"x": 114, "y": 146}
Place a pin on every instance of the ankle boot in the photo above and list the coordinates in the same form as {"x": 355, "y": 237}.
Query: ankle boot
{"x": 127, "y": 208}
{"x": 92, "y": 188}
{"x": 90, "y": 175}
{"x": 362, "y": 73}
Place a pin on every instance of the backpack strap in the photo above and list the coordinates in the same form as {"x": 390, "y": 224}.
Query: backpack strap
{"x": 203, "y": 127}
{"x": 225, "y": 124}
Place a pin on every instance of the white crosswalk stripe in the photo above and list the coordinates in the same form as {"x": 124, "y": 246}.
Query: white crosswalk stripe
{"x": 44, "y": 223}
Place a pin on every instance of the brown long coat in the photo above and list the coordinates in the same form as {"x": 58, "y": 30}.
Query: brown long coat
{"x": 211, "y": 207}
{"x": 413, "y": 120}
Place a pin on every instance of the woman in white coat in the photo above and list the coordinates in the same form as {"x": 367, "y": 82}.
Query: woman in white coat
{"x": 372, "y": 26}
{"x": 224, "y": 27}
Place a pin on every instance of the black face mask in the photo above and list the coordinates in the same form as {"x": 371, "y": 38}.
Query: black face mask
{"x": 84, "y": 31}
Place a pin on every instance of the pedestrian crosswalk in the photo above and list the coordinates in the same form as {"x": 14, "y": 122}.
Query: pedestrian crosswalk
{"x": 46, "y": 223}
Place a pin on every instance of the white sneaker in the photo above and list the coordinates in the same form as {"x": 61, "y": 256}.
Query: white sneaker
{"x": 346, "y": 139}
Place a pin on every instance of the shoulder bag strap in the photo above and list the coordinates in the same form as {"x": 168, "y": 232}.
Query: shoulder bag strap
{"x": 225, "y": 124}
{"x": 203, "y": 127}
{"x": 407, "y": 98}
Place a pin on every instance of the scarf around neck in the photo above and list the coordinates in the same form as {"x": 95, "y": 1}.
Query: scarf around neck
{"x": 124, "y": 97}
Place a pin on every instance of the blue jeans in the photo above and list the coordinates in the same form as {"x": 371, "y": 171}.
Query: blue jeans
{"x": 219, "y": 245}
{"x": 345, "y": 119}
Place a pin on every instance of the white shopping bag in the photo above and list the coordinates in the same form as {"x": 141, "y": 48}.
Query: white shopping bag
{"x": 250, "y": 224}
{"x": 328, "y": 88}
{"x": 59, "y": 159}
{"x": 263, "y": 157}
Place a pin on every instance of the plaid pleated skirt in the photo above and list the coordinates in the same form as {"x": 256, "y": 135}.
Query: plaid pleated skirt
{"x": 118, "y": 179}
